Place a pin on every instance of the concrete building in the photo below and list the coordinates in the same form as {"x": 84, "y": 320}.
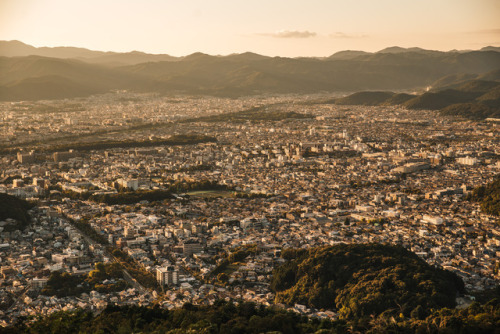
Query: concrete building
{"x": 167, "y": 276}
{"x": 191, "y": 246}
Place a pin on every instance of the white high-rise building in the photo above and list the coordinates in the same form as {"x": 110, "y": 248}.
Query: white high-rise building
{"x": 167, "y": 276}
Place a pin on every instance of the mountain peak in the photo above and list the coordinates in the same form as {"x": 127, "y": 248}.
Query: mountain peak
{"x": 398, "y": 49}
{"x": 196, "y": 56}
{"x": 346, "y": 54}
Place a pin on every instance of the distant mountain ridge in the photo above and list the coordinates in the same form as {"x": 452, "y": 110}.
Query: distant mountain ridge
{"x": 73, "y": 72}
{"x": 19, "y": 49}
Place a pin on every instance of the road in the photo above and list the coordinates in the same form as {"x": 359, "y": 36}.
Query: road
{"x": 132, "y": 281}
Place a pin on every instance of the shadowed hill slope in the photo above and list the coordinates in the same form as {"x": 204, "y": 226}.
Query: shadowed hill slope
{"x": 363, "y": 279}
{"x": 234, "y": 75}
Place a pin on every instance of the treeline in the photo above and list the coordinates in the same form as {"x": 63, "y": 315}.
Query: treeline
{"x": 361, "y": 280}
{"x": 475, "y": 99}
{"x": 251, "y": 195}
{"x": 15, "y": 208}
{"x": 488, "y": 196}
{"x": 471, "y": 110}
{"x": 128, "y": 197}
{"x": 89, "y": 231}
{"x": 247, "y": 318}
{"x": 195, "y": 168}
{"x": 237, "y": 255}
{"x": 132, "y": 197}
{"x": 184, "y": 186}
{"x": 173, "y": 140}
{"x": 253, "y": 114}
{"x": 141, "y": 275}
{"x": 105, "y": 278}
{"x": 46, "y": 147}
{"x": 220, "y": 318}
{"x": 476, "y": 319}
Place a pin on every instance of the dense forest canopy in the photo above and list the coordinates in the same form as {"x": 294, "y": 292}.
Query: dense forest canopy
{"x": 14, "y": 208}
{"x": 32, "y": 77}
{"x": 248, "y": 318}
{"x": 363, "y": 279}
{"x": 488, "y": 196}
{"x": 474, "y": 99}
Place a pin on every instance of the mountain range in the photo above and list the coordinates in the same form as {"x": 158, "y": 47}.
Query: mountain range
{"x": 30, "y": 73}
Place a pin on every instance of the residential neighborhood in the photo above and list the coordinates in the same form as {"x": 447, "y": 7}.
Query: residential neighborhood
{"x": 321, "y": 174}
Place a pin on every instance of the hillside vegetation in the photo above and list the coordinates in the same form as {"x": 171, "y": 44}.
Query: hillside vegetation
{"x": 488, "y": 196}
{"x": 365, "y": 98}
{"x": 47, "y": 73}
{"x": 360, "y": 280}
{"x": 247, "y": 318}
{"x": 15, "y": 208}
{"x": 475, "y": 99}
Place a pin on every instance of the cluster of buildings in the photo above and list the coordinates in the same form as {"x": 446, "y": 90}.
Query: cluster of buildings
{"x": 343, "y": 175}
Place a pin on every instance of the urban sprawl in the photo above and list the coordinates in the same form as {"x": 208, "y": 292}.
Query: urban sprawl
{"x": 277, "y": 172}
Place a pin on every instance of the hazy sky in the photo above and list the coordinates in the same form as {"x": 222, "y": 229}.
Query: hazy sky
{"x": 269, "y": 27}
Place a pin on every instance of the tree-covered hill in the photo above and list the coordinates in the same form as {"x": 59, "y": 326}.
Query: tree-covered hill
{"x": 360, "y": 280}
{"x": 15, "y": 208}
{"x": 441, "y": 99}
{"x": 475, "y": 99}
{"x": 220, "y": 318}
{"x": 247, "y": 318}
{"x": 488, "y": 196}
{"x": 365, "y": 98}
{"x": 29, "y": 73}
{"x": 471, "y": 110}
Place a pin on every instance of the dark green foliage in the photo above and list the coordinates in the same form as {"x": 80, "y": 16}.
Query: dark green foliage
{"x": 398, "y": 99}
{"x": 237, "y": 75}
{"x": 488, "y": 196}
{"x": 137, "y": 271}
{"x": 237, "y": 255}
{"x": 439, "y": 100}
{"x": 253, "y": 114}
{"x": 293, "y": 253}
{"x": 66, "y": 284}
{"x": 478, "y": 86}
{"x": 248, "y": 318}
{"x": 364, "y": 279}
{"x": 132, "y": 197}
{"x": 474, "y": 319}
{"x": 15, "y": 208}
{"x": 89, "y": 231}
{"x": 179, "y": 187}
{"x": 173, "y": 140}
{"x": 251, "y": 195}
{"x": 242, "y": 252}
{"x": 365, "y": 98}
{"x": 453, "y": 80}
{"x": 491, "y": 97}
{"x": 475, "y": 99}
{"x": 87, "y": 142}
{"x": 471, "y": 110}
{"x": 221, "y": 318}
{"x": 45, "y": 88}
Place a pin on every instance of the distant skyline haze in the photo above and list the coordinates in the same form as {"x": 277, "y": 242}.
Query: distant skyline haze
{"x": 288, "y": 28}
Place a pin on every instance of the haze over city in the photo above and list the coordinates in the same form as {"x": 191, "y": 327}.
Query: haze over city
{"x": 283, "y": 167}
{"x": 275, "y": 28}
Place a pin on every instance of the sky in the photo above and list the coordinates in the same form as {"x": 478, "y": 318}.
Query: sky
{"x": 287, "y": 28}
